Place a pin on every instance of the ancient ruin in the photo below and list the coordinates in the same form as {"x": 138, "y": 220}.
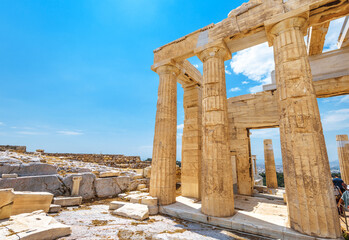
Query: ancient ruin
{"x": 302, "y": 74}
{"x": 218, "y": 189}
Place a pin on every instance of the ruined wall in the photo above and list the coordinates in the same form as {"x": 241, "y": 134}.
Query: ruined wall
{"x": 21, "y": 149}
{"x": 111, "y": 160}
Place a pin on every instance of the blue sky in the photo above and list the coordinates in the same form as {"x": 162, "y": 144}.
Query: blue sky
{"x": 75, "y": 75}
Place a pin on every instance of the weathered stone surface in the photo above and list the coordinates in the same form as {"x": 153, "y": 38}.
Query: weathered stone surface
{"x": 141, "y": 186}
{"x": 116, "y": 205}
{"x": 270, "y": 169}
{"x": 135, "y": 211}
{"x": 9, "y": 175}
{"x": 31, "y": 169}
{"x": 67, "y": 201}
{"x": 343, "y": 156}
{"x": 153, "y": 210}
{"x": 147, "y": 172}
{"x": 123, "y": 182}
{"x": 51, "y": 184}
{"x": 134, "y": 184}
{"x": 33, "y": 226}
{"x": 6, "y": 202}
{"x": 76, "y": 185}
{"x": 87, "y": 188}
{"x": 109, "y": 174}
{"x": 149, "y": 201}
{"x": 107, "y": 187}
{"x": 163, "y": 175}
{"x": 54, "y": 208}
{"x": 135, "y": 199}
{"x": 26, "y": 202}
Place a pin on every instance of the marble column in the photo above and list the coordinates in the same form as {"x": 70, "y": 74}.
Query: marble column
{"x": 311, "y": 204}
{"x": 343, "y": 156}
{"x": 270, "y": 169}
{"x": 192, "y": 141}
{"x": 217, "y": 181}
{"x": 254, "y": 158}
{"x": 163, "y": 172}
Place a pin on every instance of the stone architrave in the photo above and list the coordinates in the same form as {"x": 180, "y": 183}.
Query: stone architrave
{"x": 191, "y": 142}
{"x": 343, "y": 156}
{"x": 270, "y": 169}
{"x": 163, "y": 170}
{"x": 311, "y": 204}
{"x": 76, "y": 185}
{"x": 217, "y": 195}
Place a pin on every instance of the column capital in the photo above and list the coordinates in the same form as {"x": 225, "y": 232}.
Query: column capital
{"x": 217, "y": 50}
{"x": 166, "y": 67}
{"x": 296, "y": 19}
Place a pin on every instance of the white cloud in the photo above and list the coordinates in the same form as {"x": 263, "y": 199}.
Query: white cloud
{"x": 344, "y": 99}
{"x": 256, "y": 62}
{"x": 227, "y": 71}
{"x": 336, "y": 120}
{"x": 267, "y": 133}
{"x": 333, "y": 34}
{"x": 179, "y": 135}
{"x": 69, "y": 133}
{"x": 235, "y": 89}
{"x": 30, "y": 133}
{"x": 245, "y": 82}
{"x": 180, "y": 127}
{"x": 196, "y": 65}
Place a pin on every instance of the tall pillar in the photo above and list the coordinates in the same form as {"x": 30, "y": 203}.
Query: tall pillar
{"x": 311, "y": 204}
{"x": 343, "y": 156}
{"x": 270, "y": 169}
{"x": 217, "y": 195}
{"x": 254, "y": 159}
{"x": 163, "y": 172}
{"x": 192, "y": 141}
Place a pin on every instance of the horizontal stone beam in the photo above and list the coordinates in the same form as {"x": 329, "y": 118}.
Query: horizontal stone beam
{"x": 245, "y": 28}
{"x": 316, "y": 38}
{"x": 329, "y": 65}
{"x": 343, "y": 40}
{"x": 189, "y": 74}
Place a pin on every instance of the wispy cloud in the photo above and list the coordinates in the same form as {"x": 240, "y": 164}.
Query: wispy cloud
{"x": 69, "y": 133}
{"x": 30, "y": 133}
{"x": 344, "y": 99}
{"x": 266, "y": 133}
{"x": 227, "y": 71}
{"x": 245, "y": 82}
{"x": 180, "y": 127}
{"x": 235, "y": 89}
{"x": 333, "y": 34}
{"x": 336, "y": 120}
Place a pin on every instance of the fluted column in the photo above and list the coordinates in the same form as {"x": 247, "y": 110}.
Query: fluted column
{"x": 254, "y": 158}
{"x": 217, "y": 180}
{"x": 192, "y": 141}
{"x": 270, "y": 169}
{"x": 311, "y": 203}
{"x": 163, "y": 172}
{"x": 343, "y": 156}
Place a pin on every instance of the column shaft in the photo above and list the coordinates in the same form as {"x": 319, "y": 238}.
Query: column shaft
{"x": 192, "y": 142}
{"x": 254, "y": 158}
{"x": 311, "y": 203}
{"x": 217, "y": 180}
{"x": 343, "y": 156}
{"x": 163, "y": 173}
{"x": 270, "y": 169}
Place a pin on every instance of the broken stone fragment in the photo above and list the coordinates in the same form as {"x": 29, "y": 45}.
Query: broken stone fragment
{"x": 67, "y": 201}
{"x": 109, "y": 174}
{"x": 153, "y": 210}
{"x": 9, "y": 175}
{"x": 135, "y": 211}
{"x": 87, "y": 189}
{"x": 150, "y": 201}
{"x": 107, "y": 187}
{"x": 7, "y": 196}
{"x": 135, "y": 199}
{"x": 54, "y": 208}
{"x": 27, "y": 202}
{"x": 141, "y": 186}
{"x": 35, "y": 225}
{"x": 116, "y": 205}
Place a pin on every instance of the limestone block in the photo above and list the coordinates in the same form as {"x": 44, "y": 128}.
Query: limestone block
{"x": 67, "y": 201}
{"x": 87, "y": 188}
{"x": 135, "y": 199}
{"x": 7, "y": 197}
{"x": 109, "y": 174}
{"x": 134, "y": 184}
{"x": 147, "y": 172}
{"x": 76, "y": 186}
{"x": 123, "y": 182}
{"x": 51, "y": 184}
{"x": 9, "y": 175}
{"x": 33, "y": 226}
{"x": 54, "y": 208}
{"x": 30, "y": 169}
{"x": 26, "y": 202}
{"x": 116, "y": 205}
{"x": 150, "y": 201}
{"x": 141, "y": 186}
{"x": 122, "y": 195}
{"x": 153, "y": 210}
{"x": 145, "y": 190}
{"x": 135, "y": 211}
{"x": 137, "y": 176}
{"x": 107, "y": 187}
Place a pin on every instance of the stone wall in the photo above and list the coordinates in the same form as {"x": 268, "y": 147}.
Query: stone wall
{"x": 21, "y": 149}
{"x": 110, "y": 160}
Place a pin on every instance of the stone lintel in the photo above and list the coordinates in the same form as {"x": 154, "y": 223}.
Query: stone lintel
{"x": 343, "y": 40}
